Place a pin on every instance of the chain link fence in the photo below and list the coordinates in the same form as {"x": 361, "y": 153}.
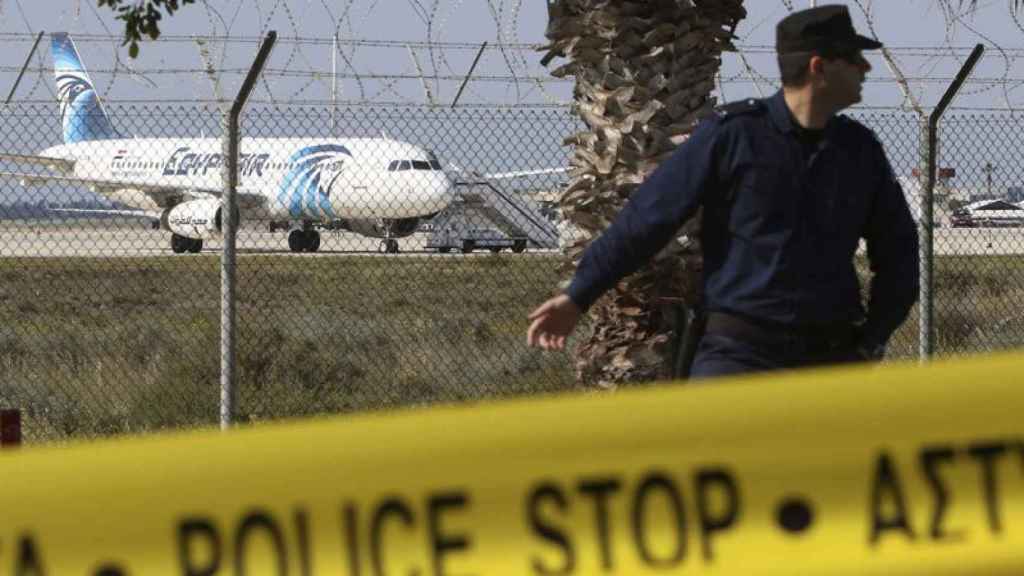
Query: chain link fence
{"x": 388, "y": 256}
{"x": 980, "y": 247}
{"x": 978, "y": 225}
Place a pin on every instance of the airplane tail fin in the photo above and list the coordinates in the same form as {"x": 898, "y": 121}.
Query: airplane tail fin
{"x": 81, "y": 113}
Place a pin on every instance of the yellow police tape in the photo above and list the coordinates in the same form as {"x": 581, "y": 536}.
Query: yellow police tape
{"x": 899, "y": 470}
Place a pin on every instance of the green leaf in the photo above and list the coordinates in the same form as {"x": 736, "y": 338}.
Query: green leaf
{"x": 141, "y": 17}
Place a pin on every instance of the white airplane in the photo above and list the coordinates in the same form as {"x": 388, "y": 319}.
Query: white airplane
{"x": 376, "y": 187}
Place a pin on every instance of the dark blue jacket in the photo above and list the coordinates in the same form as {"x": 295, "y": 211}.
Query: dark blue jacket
{"x": 780, "y": 228}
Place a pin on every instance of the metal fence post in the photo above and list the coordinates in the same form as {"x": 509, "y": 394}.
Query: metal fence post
{"x": 10, "y": 428}
{"x": 927, "y": 312}
{"x": 469, "y": 74}
{"x": 927, "y": 148}
{"x": 229, "y": 222}
{"x": 23, "y": 68}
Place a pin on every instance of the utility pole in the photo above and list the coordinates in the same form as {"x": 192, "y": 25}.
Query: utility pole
{"x": 334, "y": 83}
{"x": 988, "y": 169}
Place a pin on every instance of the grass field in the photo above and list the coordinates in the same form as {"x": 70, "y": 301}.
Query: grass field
{"x": 979, "y": 305}
{"x": 107, "y": 346}
{"x": 120, "y": 345}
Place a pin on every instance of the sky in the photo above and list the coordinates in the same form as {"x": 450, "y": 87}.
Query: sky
{"x": 916, "y": 30}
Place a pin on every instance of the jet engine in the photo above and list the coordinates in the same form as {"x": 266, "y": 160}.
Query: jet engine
{"x": 196, "y": 219}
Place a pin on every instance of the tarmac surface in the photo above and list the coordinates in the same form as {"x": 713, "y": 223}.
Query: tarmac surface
{"x": 55, "y": 242}
{"x": 58, "y": 241}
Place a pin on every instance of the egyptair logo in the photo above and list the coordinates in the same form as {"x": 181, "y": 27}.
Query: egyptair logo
{"x": 306, "y": 188}
{"x": 71, "y": 87}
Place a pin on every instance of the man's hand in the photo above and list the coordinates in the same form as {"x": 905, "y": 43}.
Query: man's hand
{"x": 552, "y": 322}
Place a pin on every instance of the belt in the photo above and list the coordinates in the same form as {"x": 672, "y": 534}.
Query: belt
{"x": 754, "y": 332}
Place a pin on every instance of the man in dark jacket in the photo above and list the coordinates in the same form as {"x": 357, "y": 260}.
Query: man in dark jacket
{"x": 789, "y": 188}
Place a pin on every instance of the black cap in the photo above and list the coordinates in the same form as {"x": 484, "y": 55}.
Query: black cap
{"x": 821, "y": 28}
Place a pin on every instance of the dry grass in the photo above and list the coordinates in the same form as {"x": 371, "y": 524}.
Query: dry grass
{"x": 979, "y": 307}
{"x": 108, "y": 346}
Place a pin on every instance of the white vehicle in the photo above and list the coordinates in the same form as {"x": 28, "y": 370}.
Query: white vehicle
{"x": 376, "y": 187}
{"x": 466, "y": 240}
{"x": 989, "y": 214}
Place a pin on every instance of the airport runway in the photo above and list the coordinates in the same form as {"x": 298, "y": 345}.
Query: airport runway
{"x": 53, "y": 241}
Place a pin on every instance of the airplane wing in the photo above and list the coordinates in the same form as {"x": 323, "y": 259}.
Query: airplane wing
{"x": 151, "y": 214}
{"x": 163, "y": 195}
{"x": 521, "y": 173}
{"x": 58, "y": 164}
{"x": 505, "y": 175}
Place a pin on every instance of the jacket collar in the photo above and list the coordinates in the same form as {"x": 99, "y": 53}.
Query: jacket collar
{"x": 779, "y": 113}
{"x": 783, "y": 118}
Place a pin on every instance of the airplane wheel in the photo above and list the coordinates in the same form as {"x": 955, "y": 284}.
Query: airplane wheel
{"x": 495, "y": 250}
{"x": 312, "y": 241}
{"x": 519, "y": 246}
{"x": 179, "y": 244}
{"x": 392, "y": 246}
{"x": 195, "y": 246}
{"x": 445, "y": 249}
{"x": 468, "y": 246}
{"x": 296, "y": 240}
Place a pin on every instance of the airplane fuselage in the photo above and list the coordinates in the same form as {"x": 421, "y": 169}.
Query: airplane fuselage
{"x": 376, "y": 187}
{"x": 297, "y": 178}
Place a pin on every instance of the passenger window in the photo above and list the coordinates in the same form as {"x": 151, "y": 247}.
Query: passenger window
{"x": 405, "y": 165}
{"x": 435, "y": 165}
{"x": 420, "y": 165}
{"x": 393, "y": 166}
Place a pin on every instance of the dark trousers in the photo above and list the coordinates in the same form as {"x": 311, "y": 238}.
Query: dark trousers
{"x": 725, "y": 350}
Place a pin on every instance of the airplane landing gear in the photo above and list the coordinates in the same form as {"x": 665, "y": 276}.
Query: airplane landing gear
{"x": 303, "y": 240}
{"x": 388, "y": 246}
{"x": 181, "y": 244}
{"x": 388, "y": 228}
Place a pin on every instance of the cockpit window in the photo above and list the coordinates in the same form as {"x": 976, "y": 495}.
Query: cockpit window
{"x": 434, "y": 164}
{"x": 400, "y": 165}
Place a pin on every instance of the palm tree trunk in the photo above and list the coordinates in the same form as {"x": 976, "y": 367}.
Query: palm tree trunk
{"x": 644, "y": 74}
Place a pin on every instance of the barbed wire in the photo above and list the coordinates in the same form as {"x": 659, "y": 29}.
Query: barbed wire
{"x": 739, "y": 78}
{"x": 962, "y": 50}
{"x": 902, "y": 50}
{"x": 304, "y": 40}
{"x": 428, "y": 69}
{"x": 145, "y": 106}
{"x": 436, "y": 63}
